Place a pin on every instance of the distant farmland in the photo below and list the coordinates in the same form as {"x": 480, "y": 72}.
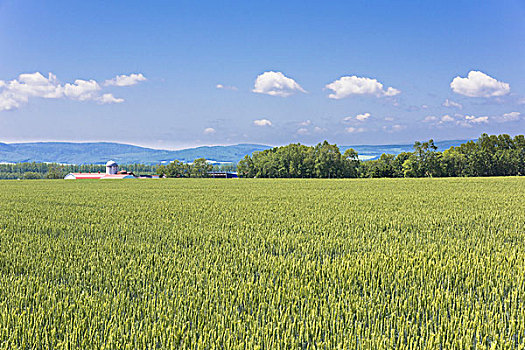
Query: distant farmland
{"x": 267, "y": 264}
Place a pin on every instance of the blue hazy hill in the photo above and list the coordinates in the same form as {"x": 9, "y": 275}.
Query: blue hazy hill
{"x": 100, "y": 152}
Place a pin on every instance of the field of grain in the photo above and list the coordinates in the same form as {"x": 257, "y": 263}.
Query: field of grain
{"x": 263, "y": 264}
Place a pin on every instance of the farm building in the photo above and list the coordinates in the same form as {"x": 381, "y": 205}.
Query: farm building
{"x": 112, "y": 173}
{"x": 111, "y": 167}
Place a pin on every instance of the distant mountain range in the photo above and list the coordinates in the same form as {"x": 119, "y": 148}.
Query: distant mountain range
{"x": 100, "y": 152}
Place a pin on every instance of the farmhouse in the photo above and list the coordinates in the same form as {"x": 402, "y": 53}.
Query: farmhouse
{"x": 112, "y": 173}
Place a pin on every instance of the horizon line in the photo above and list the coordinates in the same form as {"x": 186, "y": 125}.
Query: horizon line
{"x": 222, "y": 145}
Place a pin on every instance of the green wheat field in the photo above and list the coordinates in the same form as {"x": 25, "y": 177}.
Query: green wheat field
{"x": 263, "y": 264}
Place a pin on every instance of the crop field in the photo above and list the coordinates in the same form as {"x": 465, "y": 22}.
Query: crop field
{"x": 263, "y": 264}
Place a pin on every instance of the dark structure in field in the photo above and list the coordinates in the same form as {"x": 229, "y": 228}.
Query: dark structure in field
{"x": 222, "y": 175}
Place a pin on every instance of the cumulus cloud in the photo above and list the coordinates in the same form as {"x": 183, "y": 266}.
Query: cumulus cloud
{"x": 18, "y": 91}
{"x": 476, "y": 120}
{"x": 35, "y": 84}
{"x": 362, "y": 117}
{"x": 358, "y": 118}
{"x": 276, "y": 84}
{"x": 394, "y": 128}
{"x": 82, "y": 90}
{"x": 125, "y": 80}
{"x": 209, "y": 131}
{"x": 109, "y": 98}
{"x": 430, "y": 118}
{"x": 226, "y": 87}
{"x": 262, "y": 122}
{"x": 319, "y": 129}
{"x": 449, "y": 103}
{"x": 458, "y": 120}
{"x": 398, "y": 127}
{"x": 469, "y": 121}
{"x": 302, "y": 131}
{"x": 446, "y": 119}
{"x": 305, "y": 123}
{"x": 7, "y": 103}
{"x": 353, "y": 85}
{"x": 479, "y": 84}
{"x": 509, "y": 117}
{"x": 353, "y": 130}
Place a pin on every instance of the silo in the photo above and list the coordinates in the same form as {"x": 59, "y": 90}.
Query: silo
{"x": 111, "y": 167}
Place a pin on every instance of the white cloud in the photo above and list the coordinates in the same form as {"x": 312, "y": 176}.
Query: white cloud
{"x": 353, "y": 85}
{"x": 305, "y": 123}
{"x": 392, "y": 92}
{"x": 509, "y": 117}
{"x": 398, "y": 127}
{"x": 262, "y": 122}
{"x": 209, "y": 131}
{"x": 449, "y": 103}
{"x": 394, "y": 128}
{"x": 362, "y": 117}
{"x": 353, "y": 130}
{"x": 32, "y": 85}
{"x": 479, "y": 84}
{"x": 476, "y": 120}
{"x": 109, "y": 98}
{"x": 319, "y": 130}
{"x": 458, "y": 119}
{"x": 430, "y": 118}
{"x": 8, "y": 103}
{"x": 302, "y": 131}
{"x": 125, "y": 80}
{"x": 512, "y": 116}
{"x": 446, "y": 119}
{"x": 469, "y": 121}
{"x": 18, "y": 91}
{"x": 82, "y": 90}
{"x": 276, "y": 84}
{"x": 389, "y": 119}
{"x": 226, "y": 87}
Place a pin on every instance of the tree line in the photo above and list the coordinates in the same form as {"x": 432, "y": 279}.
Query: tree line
{"x": 199, "y": 168}
{"x": 34, "y": 170}
{"x": 490, "y": 155}
{"x": 494, "y": 155}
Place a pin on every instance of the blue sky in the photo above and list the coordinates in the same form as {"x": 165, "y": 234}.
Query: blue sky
{"x": 204, "y": 73}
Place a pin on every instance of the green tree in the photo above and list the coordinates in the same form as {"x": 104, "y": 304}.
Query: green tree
{"x": 32, "y": 175}
{"x": 55, "y": 172}
{"x": 351, "y": 163}
{"x": 246, "y": 168}
{"x": 200, "y": 168}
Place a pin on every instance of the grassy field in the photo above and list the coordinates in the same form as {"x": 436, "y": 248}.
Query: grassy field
{"x": 263, "y": 264}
